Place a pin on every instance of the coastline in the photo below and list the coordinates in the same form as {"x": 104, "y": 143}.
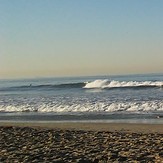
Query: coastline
{"x": 112, "y": 127}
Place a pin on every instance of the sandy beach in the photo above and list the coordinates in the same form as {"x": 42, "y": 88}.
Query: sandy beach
{"x": 81, "y": 142}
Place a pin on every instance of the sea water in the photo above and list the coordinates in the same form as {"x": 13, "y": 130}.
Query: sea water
{"x": 129, "y": 98}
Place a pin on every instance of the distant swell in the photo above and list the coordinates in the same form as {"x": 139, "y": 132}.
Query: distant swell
{"x": 69, "y": 85}
{"x": 122, "y": 84}
{"x": 44, "y": 87}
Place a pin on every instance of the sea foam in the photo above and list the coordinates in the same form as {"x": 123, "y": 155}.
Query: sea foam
{"x": 117, "y": 84}
{"x": 88, "y": 107}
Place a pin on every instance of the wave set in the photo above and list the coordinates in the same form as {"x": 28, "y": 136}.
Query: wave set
{"x": 96, "y": 84}
{"x": 138, "y": 96}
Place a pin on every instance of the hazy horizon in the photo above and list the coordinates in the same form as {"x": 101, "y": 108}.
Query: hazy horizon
{"x": 57, "y": 38}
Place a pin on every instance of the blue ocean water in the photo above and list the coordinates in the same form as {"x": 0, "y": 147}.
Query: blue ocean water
{"x": 99, "y": 98}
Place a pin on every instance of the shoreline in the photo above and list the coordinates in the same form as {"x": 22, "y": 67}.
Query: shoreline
{"x": 95, "y": 126}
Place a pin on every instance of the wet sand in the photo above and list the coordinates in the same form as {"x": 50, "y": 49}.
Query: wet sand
{"x": 81, "y": 142}
{"x": 127, "y": 127}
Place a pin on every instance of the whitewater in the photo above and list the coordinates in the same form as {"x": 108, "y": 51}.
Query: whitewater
{"x": 117, "y": 84}
{"x": 104, "y": 97}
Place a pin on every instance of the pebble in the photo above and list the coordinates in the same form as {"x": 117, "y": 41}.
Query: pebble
{"x": 25, "y": 144}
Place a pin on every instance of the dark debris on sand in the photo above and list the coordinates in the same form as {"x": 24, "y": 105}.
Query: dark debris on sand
{"x": 29, "y": 145}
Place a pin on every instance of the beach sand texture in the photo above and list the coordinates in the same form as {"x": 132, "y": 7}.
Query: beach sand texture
{"x": 81, "y": 142}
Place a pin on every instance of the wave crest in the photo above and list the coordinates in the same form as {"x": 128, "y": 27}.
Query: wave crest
{"x": 119, "y": 84}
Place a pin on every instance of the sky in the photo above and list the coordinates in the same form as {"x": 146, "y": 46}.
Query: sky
{"x": 45, "y": 38}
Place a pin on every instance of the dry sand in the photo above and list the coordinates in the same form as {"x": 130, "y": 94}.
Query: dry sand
{"x": 81, "y": 142}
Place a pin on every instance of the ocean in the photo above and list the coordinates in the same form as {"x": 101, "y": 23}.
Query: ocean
{"x": 127, "y": 98}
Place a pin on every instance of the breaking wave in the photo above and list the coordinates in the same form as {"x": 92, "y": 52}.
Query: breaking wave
{"x": 122, "y": 84}
{"x": 142, "y": 106}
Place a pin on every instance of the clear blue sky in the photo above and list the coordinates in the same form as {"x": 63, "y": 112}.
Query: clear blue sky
{"x": 80, "y": 37}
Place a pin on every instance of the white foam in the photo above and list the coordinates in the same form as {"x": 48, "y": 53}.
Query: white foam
{"x": 89, "y": 107}
{"x": 97, "y": 84}
{"x": 115, "y": 84}
{"x": 11, "y": 108}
